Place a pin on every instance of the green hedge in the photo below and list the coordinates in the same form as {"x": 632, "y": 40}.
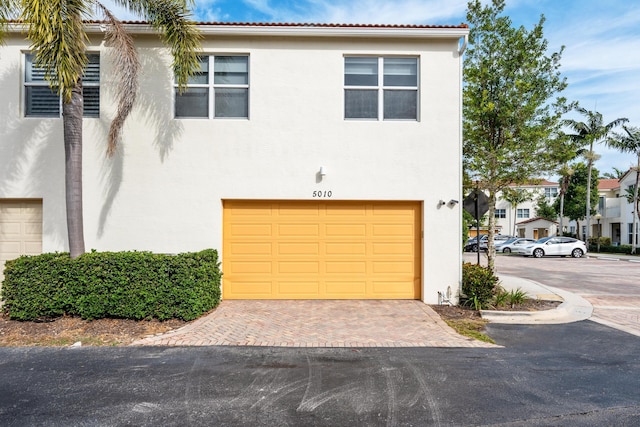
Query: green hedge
{"x": 129, "y": 285}
{"x": 620, "y": 249}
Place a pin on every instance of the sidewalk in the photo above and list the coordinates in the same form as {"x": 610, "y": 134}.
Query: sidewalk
{"x": 573, "y": 308}
{"x": 615, "y": 257}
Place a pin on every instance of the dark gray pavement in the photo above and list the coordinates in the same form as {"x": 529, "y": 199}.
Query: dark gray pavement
{"x": 575, "y": 374}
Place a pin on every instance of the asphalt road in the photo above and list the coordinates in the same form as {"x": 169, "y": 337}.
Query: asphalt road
{"x": 578, "y": 374}
{"x": 611, "y": 286}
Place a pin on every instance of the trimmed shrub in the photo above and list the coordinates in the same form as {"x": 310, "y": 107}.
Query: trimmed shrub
{"x": 129, "y": 285}
{"x": 621, "y": 249}
{"x": 479, "y": 285}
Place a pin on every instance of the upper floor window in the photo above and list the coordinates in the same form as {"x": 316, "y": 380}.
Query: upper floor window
{"x": 522, "y": 213}
{"x": 220, "y": 89}
{"x": 42, "y": 101}
{"x": 551, "y": 192}
{"x": 381, "y": 88}
{"x": 501, "y": 213}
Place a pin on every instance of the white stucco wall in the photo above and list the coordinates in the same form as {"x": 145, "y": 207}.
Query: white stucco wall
{"x": 164, "y": 188}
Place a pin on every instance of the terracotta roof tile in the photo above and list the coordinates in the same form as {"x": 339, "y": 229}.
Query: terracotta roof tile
{"x": 608, "y": 184}
{"x": 320, "y": 25}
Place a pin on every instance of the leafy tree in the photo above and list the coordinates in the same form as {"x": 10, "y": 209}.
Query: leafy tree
{"x": 586, "y": 134}
{"x": 576, "y": 195}
{"x": 629, "y": 142}
{"x": 545, "y": 210}
{"x": 516, "y": 196}
{"x": 512, "y": 107}
{"x": 467, "y": 223}
{"x": 58, "y": 34}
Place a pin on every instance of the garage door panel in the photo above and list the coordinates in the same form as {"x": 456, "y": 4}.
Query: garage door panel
{"x": 346, "y": 248}
{"x": 321, "y": 249}
{"x": 394, "y": 287}
{"x": 290, "y": 289}
{"x": 20, "y": 229}
{"x": 392, "y": 248}
{"x": 346, "y": 210}
{"x": 299, "y": 230}
{"x": 251, "y": 266}
{"x": 10, "y": 229}
{"x": 298, "y": 248}
{"x": 251, "y": 288}
{"x": 33, "y": 229}
{"x": 346, "y": 267}
{"x": 249, "y": 210}
{"x": 251, "y": 230}
{"x": 293, "y": 209}
{"x": 393, "y": 230}
{"x": 299, "y": 267}
{"x": 393, "y": 267}
{"x": 353, "y": 287}
{"x": 251, "y": 248}
{"x": 346, "y": 230}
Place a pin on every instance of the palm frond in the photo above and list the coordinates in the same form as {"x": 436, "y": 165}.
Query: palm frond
{"x": 58, "y": 40}
{"x": 8, "y": 12}
{"x": 171, "y": 19}
{"x": 126, "y": 68}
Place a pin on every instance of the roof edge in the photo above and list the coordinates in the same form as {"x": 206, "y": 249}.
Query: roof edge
{"x": 291, "y": 29}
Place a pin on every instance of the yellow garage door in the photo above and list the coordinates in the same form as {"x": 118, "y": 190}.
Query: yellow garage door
{"x": 20, "y": 229}
{"x": 321, "y": 250}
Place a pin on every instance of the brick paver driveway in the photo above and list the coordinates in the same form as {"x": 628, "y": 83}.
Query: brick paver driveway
{"x": 330, "y": 323}
{"x": 611, "y": 286}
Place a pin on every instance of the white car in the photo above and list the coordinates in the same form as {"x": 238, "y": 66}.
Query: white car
{"x": 509, "y": 245}
{"x": 553, "y": 246}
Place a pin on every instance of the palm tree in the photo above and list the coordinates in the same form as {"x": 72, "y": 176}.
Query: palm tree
{"x": 587, "y": 133}
{"x": 616, "y": 174}
{"x": 515, "y": 196}
{"x": 58, "y": 36}
{"x": 629, "y": 142}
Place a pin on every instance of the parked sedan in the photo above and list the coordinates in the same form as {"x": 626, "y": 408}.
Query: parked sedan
{"x": 472, "y": 243}
{"x": 497, "y": 239}
{"x": 508, "y": 245}
{"x": 553, "y": 246}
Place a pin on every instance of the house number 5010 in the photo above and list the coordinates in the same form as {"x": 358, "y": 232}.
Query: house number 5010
{"x": 322, "y": 194}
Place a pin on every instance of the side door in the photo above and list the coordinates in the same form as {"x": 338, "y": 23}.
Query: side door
{"x": 552, "y": 246}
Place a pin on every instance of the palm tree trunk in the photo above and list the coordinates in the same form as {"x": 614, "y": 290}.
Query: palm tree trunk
{"x": 588, "y": 215}
{"x": 72, "y": 123}
{"x": 561, "y": 215}
{"x": 636, "y": 205}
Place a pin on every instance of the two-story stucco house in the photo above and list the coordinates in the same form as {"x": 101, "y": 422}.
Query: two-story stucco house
{"x": 615, "y": 211}
{"x": 313, "y": 157}
{"x": 522, "y": 220}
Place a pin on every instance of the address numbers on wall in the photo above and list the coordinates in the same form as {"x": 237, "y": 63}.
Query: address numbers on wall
{"x": 322, "y": 194}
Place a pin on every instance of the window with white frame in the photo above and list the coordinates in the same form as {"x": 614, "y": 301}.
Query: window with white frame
{"x": 501, "y": 213}
{"x": 380, "y": 88}
{"x": 551, "y": 192}
{"x": 630, "y": 233}
{"x": 220, "y": 89}
{"x": 522, "y": 213}
{"x": 42, "y": 101}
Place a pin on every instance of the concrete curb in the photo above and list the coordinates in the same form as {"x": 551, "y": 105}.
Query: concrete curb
{"x": 573, "y": 308}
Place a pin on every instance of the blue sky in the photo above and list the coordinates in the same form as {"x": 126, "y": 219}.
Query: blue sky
{"x": 602, "y": 40}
